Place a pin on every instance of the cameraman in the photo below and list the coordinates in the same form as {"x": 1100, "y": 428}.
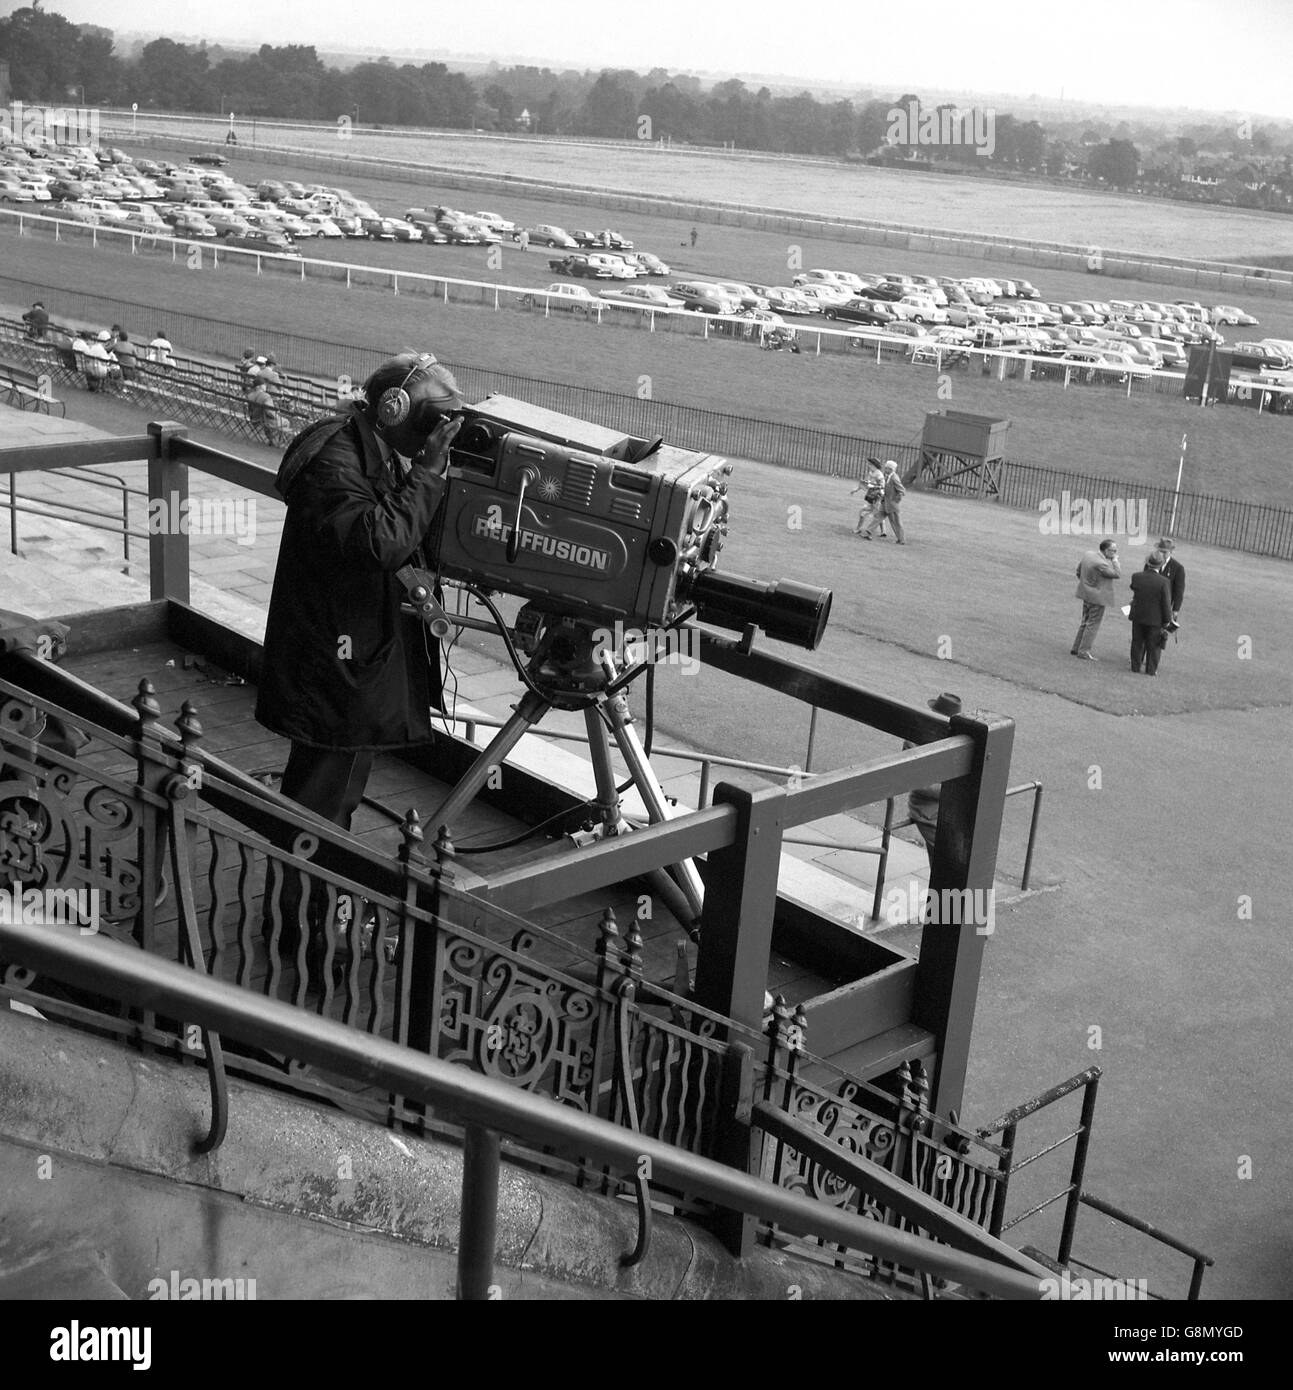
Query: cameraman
{"x": 345, "y": 673}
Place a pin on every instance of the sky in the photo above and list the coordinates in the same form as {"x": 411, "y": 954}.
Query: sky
{"x": 1216, "y": 55}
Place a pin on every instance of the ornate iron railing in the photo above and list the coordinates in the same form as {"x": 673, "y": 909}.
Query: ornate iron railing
{"x": 147, "y": 834}
{"x": 894, "y": 1131}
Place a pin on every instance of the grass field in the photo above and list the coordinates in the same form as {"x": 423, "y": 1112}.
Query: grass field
{"x": 1095, "y": 430}
{"x": 1029, "y": 211}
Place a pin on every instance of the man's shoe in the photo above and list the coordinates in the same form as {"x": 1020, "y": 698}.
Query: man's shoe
{"x": 1084, "y": 656}
{"x": 900, "y": 542}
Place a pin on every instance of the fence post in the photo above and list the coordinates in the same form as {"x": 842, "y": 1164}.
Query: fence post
{"x": 168, "y": 496}
{"x": 478, "y": 1219}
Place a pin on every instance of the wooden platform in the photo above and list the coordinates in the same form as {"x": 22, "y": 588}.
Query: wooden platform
{"x": 230, "y": 730}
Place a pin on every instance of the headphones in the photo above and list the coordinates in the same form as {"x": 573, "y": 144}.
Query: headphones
{"x": 394, "y": 405}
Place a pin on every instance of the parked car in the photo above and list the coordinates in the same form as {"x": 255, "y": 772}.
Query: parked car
{"x": 744, "y": 295}
{"x": 546, "y": 235}
{"x": 212, "y": 157}
{"x": 563, "y": 296}
{"x": 821, "y": 294}
{"x": 874, "y": 313}
{"x": 258, "y": 239}
{"x": 580, "y": 265}
{"x": 492, "y": 219}
{"x": 651, "y": 265}
{"x": 644, "y": 296}
{"x": 783, "y": 299}
{"x": 702, "y": 297}
{"x": 1228, "y": 313}
{"x": 323, "y": 226}
{"x": 146, "y": 222}
{"x": 78, "y": 212}
{"x": 229, "y": 223}
{"x": 191, "y": 224}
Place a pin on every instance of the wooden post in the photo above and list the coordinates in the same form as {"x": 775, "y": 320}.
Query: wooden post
{"x": 168, "y": 495}
{"x": 964, "y": 858}
{"x": 732, "y": 967}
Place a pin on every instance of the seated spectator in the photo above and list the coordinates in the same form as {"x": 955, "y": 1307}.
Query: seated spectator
{"x": 97, "y": 361}
{"x": 269, "y": 372}
{"x": 37, "y": 321}
{"x": 247, "y": 367}
{"x": 126, "y": 355}
{"x": 80, "y": 346}
{"x": 160, "y": 350}
{"x": 260, "y": 410}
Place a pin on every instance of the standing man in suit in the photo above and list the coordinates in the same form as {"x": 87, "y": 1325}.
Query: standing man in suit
{"x": 1174, "y": 573}
{"x": 1096, "y": 572}
{"x": 1151, "y": 611}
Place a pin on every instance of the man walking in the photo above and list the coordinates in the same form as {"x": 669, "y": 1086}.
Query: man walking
{"x": 1096, "y": 572}
{"x": 1151, "y": 612}
{"x": 890, "y": 505}
{"x": 872, "y": 488}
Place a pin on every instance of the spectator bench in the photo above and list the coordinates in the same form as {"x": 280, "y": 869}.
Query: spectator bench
{"x": 23, "y": 389}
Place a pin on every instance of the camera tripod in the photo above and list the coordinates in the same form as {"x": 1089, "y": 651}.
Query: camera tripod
{"x": 568, "y": 670}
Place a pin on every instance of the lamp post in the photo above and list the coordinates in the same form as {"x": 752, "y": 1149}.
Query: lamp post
{"x": 134, "y": 118}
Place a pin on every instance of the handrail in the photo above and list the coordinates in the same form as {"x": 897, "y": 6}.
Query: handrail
{"x": 148, "y": 982}
{"x": 887, "y": 1190}
{"x": 1201, "y": 1261}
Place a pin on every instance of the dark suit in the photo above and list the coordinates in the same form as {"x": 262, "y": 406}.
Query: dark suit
{"x": 1151, "y": 611}
{"x": 1174, "y": 573}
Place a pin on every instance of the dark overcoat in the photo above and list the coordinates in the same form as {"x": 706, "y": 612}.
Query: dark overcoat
{"x": 344, "y": 669}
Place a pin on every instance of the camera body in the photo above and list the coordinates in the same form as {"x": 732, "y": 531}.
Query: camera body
{"x": 582, "y": 521}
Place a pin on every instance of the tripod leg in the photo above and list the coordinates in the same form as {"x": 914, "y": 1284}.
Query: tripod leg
{"x": 644, "y": 779}
{"x": 528, "y": 713}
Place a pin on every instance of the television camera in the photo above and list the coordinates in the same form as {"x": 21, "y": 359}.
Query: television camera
{"x": 599, "y": 533}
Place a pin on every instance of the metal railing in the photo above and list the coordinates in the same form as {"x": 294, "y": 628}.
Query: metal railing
{"x": 489, "y": 1108}
{"x": 1071, "y": 1194}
